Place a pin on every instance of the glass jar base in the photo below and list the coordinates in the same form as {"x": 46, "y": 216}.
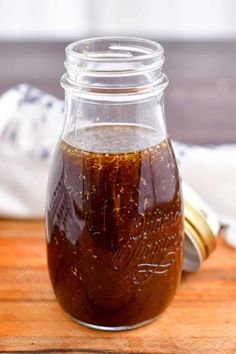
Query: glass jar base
{"x": 113, "y": 328}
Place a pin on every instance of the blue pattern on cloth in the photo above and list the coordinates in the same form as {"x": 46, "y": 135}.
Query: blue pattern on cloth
{"x": 33, "y": 120}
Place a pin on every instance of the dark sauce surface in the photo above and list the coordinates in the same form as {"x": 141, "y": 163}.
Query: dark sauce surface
{"x": 114, "y": 225}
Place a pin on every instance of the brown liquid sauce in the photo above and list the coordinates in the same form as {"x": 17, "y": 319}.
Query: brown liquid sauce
{"x": 114, "y": 225}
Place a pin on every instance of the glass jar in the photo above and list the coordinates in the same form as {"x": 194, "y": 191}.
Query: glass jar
{"x": 114, "y": 208}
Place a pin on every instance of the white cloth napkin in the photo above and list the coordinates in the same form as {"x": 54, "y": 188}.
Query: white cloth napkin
{"x": 210, "y": 171}
{"x": 30, "y": 125}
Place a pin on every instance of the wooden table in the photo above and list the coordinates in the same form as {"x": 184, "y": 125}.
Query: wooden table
{"x": 201, "y": 319}
{"x": 200, "y": 106}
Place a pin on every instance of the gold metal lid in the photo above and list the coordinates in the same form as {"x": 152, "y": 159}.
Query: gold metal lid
{"x": 200, "y": 241}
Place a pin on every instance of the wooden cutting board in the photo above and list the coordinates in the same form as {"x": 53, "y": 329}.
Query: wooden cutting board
{"x": 201, "y": 319}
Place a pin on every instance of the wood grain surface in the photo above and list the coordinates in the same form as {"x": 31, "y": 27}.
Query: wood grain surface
{"x": 201, "y": 319}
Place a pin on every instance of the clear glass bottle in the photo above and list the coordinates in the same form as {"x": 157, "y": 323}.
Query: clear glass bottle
{"x": 114, "y": 208}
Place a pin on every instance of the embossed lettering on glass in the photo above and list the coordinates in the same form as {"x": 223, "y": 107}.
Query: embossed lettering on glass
{"x": 114, "y": 207}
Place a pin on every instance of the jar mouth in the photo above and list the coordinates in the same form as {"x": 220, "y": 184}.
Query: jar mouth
{"x": 114, "y": 49}
{"x": 114, "y": 65}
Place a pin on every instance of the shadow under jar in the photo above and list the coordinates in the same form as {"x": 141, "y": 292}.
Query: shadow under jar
{"x": 114, "y": 205}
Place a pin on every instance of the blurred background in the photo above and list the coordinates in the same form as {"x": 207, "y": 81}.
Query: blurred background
{"x": 69, "y": 19}
{"x": 198, "y": 38}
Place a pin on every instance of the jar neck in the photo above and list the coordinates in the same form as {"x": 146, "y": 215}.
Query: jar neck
{"x": 81, "y": 112}
{"x": 114, "y": 69}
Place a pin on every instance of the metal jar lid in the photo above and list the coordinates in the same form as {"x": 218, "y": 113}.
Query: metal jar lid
{"x": 200, "y": 241}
